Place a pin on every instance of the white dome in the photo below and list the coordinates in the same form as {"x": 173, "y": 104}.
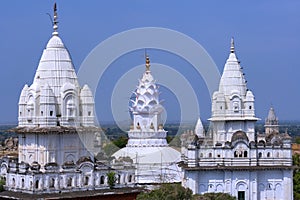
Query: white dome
{"x": 152, "y": 162}
{"x": 55, "y": 67}
{"x": 55, "y": 42}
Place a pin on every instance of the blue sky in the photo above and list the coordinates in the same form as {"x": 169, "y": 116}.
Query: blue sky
{"x": 266, "y": 35}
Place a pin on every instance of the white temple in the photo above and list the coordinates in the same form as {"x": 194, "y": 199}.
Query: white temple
{"x": 147, "y": 146}
{"x": 54, "y": 100}
{"x": 231, "y": 158}
{"x": 58, "y": 139}
{"x": 57, "y": 132}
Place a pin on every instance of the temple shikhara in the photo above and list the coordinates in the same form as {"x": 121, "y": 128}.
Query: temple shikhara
{"x": 230, "y": 157}
{"x": 57, "y": 132}
{"x": 147, "y": 146}
{"x": 58, "y": 139}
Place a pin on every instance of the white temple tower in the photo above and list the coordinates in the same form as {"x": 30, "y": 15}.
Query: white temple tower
{"x": 233, "y": 104}
{"x": 271, "y": 122}
{"x": 232, "y": 158}
{"x": 53, "y": 107}
{"x": 147, "y": 145}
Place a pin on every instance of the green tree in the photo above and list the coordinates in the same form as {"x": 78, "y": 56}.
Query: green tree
{"x": 213, "y": 196}
{"x": 2, "y": 183}
{"x": 296, "y": 177}
{"x": 121, "y": 142}
{"x": 176, "y": 141}
{"x": 297, "y": 140}
{"x": 110, "y": 149}
{"x": 111, "y": 179}
{"x": 167, "y": 192}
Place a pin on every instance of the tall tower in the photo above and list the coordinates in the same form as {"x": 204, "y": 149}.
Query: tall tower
{"x": 147, "y": 128}
{"x": 233, "y": 104}
{"x": 155, "y": 161}
{"x": 271, "y": 122}
{"x": 53, "y": 108}
{"x": 237, "y": 162}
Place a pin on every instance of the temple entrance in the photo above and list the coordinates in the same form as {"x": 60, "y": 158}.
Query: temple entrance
{"x": 241, "y": 195}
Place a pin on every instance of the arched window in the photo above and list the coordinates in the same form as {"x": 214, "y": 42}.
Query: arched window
{"x": 30, "y": 108}
{"x": 37, "y": 184}
{"x": 52, "y": 182}
{"x": 245, "y": 154}
{"x": 23, "y": 183}
{"x": 70, "y": 107}
{"x": 259, "y": 154}
{"x": 269, "y": 186}
{"x": 210, "y": 155}
{"x": 86, "y": 180}
{"x": 236, "y": 106}
{"x": 119, "y": 179}
{"x": 129, "y": 178}
{"x": 138, "y": 126}
{"x": 235, "y": 154}
{"x": 268, "y": 154}
{"x": 13, "y": 182}
{"x": 240, "y": 154}
{"x": 69, "y": 182}
{"x": 102, "y": 178}
{"x": 201, "y": 155}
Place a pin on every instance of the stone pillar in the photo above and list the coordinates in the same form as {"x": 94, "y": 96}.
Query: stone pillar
{"x": 253, "y": 189}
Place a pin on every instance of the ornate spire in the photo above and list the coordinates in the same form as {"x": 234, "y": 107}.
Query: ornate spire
{"x": 232, "y": 45}
{"x": 147, "y": 63}
{"x": 55, "y": 22}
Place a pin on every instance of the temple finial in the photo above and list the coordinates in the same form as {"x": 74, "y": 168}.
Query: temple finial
{"x": 55, "y": 22}
{"x": 232, "y": 45}
{"x": 147, "y": 63}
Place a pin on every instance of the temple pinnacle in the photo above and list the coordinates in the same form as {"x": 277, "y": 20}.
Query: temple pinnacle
{"x": 232, "y": 45}
{"x": 55, "y": 22}
{"x": 147, "y": 63}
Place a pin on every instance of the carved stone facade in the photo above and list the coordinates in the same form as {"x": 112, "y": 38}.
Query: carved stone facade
{"x": 80, "y": 176}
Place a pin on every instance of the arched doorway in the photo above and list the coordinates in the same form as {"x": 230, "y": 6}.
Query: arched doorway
{"x": 242, "y": 190}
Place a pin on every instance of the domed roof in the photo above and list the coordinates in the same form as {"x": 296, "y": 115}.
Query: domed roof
{"x": 55, "y": 42}
{"x": 239, "y": 135}
{"x": 55, "y": 67}
{"x": 152, "y": 160}
{"x": 150, "y": 154}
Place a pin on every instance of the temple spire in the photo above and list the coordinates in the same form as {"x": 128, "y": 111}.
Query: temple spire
{"x": 147, "y": 63}
{"x": 55, "y": 22}
{"x": 232, "y": 45}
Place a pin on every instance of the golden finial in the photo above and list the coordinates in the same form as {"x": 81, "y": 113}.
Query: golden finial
{"x": 147, "y": 63}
